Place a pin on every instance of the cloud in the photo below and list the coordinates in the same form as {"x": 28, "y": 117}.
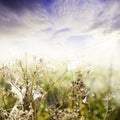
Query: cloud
{"x": 79, "y": 40}
{"x": 17, "y": 16}
{"x": 109, "y": 17}
{"x": 51, "y": 24}
{"x": 78, "y": 15}
{"x": 62, "y": 30}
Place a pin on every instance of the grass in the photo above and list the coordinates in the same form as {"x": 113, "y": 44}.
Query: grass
{"x": 47, "y": 91}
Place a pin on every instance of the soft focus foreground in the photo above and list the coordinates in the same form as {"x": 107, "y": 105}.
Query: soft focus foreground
{"x": 46, "y": 91}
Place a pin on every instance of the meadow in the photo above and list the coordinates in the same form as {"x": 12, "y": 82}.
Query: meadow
{"x": 50, "y": 91}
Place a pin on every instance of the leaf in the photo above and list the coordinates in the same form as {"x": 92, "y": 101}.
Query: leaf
{"x": 2, "y": 94}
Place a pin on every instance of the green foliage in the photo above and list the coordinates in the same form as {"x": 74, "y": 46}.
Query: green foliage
{"x": 61, "y": 94}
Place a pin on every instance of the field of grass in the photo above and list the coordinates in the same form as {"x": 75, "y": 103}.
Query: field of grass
{"x": 47, "y": 91}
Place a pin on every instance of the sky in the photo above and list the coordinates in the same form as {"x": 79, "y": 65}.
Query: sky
{"x": 86, "y": 30}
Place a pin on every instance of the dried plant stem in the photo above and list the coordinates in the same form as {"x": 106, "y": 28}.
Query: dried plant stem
{"x": 43, "y": 97}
